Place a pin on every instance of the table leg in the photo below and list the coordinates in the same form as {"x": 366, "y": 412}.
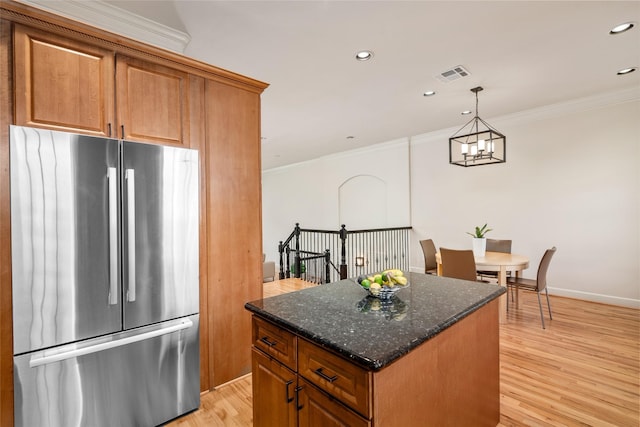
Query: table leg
{"x": 518, "y": 303}
{"x": 439, "y": 269}
{"x": 502, "y": 281}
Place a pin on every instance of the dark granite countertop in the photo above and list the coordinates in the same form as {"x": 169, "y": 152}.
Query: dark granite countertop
{"x": 373, "y": 333}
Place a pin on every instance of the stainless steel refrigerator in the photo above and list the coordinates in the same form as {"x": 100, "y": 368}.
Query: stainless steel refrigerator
{"x": 105, "y": 274}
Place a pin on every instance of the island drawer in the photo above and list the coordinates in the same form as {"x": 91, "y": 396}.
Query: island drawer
{"x": 338, "y": 377}
{"x": 275, "y": 341}
{"x": 319, "y": 409}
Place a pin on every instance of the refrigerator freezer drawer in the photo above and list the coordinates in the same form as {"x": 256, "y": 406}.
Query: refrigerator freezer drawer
{"x": 136, "y": 378}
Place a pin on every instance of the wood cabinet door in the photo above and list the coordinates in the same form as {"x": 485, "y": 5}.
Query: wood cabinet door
{"x": 62, "y": 84}
{"x": 152, "y": 102}
{"x": 318, "y": 410}
{"x": 274, "y": 391}
{"x": 234, "y": 224}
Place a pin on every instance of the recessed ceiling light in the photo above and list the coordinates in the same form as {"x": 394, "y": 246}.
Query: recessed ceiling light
{"x": 364, "y": 55}
{"x": 466, "y": 112}
{"x": 622, "y": 28}
{"x": 626, "y": 71}
{"x": 429, "y": 93}
{"x": 351, "y": 137}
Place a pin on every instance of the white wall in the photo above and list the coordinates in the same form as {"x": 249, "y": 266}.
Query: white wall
{"x": 309, "y": 192}
{"x": 571, "y": 180}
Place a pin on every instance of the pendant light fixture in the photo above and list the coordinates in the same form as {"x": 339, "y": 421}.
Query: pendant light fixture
{"x": 477, "y": 143}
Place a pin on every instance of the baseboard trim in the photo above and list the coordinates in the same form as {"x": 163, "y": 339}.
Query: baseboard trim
{"x": 241, "y": 377}
{"x": 581, "y": 295}
{"x": 590, "y": 296}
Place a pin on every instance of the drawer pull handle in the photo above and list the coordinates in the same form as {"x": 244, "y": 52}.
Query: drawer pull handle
{"x": 298, "y": 405}
{"x": 267, "y": 342}
{"x": 286, "y": 386}
{"x": 325, "y": 376}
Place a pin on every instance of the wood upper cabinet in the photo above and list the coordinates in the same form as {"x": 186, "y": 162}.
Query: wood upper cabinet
{"x": 62, "y": 84}
{"x": 152, "y": 102}
{"x": 65, "y": 84}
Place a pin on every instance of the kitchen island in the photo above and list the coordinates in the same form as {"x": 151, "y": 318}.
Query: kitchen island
{"x": 332, "y": 355}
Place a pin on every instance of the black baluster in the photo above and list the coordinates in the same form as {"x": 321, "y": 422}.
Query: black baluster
{"x": 281, "y": 252}
{"x": 343, "y": 253}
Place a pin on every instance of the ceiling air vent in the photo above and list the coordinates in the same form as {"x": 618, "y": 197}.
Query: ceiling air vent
{"x": 455, "y": 73}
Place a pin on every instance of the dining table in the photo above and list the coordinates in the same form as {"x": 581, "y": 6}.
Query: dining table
{"x": 502, "y": 263}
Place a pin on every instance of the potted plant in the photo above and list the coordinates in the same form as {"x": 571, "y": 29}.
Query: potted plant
{"x": 303, "y": 268}
{"x": 479, "y": 241}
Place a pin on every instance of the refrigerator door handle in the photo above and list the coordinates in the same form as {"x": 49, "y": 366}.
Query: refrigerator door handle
{"x": 52, "y": 358}
{"x": 113, "y": 235}
{"x": 131, "y": 234}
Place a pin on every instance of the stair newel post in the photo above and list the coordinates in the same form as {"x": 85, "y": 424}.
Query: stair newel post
{"x": 343, "y": 252}
{"x": 296, "y": 261}
{"x": 281, "y": 252}
{"x": 327, "y": 266}
{"x": 288, "y": 258}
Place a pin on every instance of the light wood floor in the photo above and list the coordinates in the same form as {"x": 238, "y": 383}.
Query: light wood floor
{"x": 583, "y": 370}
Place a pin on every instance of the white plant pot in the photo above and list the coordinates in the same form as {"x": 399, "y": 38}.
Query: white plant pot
{"x": 479, "y": 246}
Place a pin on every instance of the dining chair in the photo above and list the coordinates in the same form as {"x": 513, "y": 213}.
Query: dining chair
{"x": 458, "y": 264}
{"x": 429, "y": 251}
{"x": 538, "y": 285}
{"x": 499, "y": 245}
{"x": 496, "y": 245}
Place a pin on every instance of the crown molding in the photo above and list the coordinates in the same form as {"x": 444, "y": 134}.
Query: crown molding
{"x": 116, "y": 20}
{"x": 571, "y": 106}
{"x": 342, "y": 154}
{"x": 560, "y": 109}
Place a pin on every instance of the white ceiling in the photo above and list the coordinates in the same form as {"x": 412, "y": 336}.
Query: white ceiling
{"x": 526, "y": 54}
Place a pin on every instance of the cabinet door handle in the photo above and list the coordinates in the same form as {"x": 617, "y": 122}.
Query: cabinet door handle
{"x": 297, "y": 389}
{"x": 267, "y": 342}
{"x": 122, "y": 130}
{"x": 109, "y": 127}
{"x": 325, "y": 376}
{"x": 286, "y": 386}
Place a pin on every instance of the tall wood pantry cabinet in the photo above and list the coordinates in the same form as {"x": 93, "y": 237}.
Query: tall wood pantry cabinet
{"x": 64, "y": 75}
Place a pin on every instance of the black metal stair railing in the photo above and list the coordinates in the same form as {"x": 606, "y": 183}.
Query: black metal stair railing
{"x": 375, "y": 250}
{"x": 353, "y": 252}
{"x": 312, "y": 266}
